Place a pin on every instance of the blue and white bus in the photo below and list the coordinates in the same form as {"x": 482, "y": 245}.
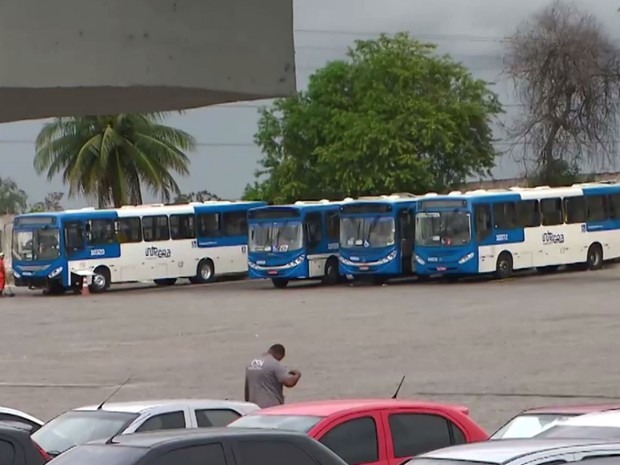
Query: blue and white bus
{"x": 294, "y": 242}
{"x": 499, "y": 231}
{"x": 377, "y": 237}
{"x": 161, "y": 243}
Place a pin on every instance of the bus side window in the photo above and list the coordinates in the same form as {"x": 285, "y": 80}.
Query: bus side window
{"x": 483, "y": 222}
{"x": 575, "y": 210}
{"x": 314, "y": 229}
{"x": 551, "y": 211}
{"x": 100, "y": 232}
{"x": 528, "y": 214}
{"x": 504, "y": 215}
{"x": 209, "y": 225}
{"x": 596, "y": 208}
{"x": 155, "y": 228}
{"x": 182, "y": 227}
{"x": 614, "y": 206}
{"x": 129, "y": 230}
{"x": 235, "y": 223}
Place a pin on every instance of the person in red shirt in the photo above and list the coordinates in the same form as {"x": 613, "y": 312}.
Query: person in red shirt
{"x": 2, "y": 274}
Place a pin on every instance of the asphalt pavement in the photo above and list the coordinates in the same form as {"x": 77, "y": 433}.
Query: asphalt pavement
{"x": 495, "y": 346}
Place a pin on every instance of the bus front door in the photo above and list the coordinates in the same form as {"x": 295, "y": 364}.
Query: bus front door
{"x": 405, "y": 234}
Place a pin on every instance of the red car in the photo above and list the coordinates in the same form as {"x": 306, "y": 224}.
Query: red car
{"x": 372, "y": 431}
{"x": 529, "y": 423}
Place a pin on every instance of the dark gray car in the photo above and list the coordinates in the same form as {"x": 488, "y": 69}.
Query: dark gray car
{"x": 522, "y": 452}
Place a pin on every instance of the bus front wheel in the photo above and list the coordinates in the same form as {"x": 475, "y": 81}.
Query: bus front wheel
{"x": 595, "y": 257}
{"x": 332, "y": 276}
{"x": 205, "y": 272}
{"x": 279, "y": 283}
{"x": 101, "y": 280}
{"x": 503, "y": 269}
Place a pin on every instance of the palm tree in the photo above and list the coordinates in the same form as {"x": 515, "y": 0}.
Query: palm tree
{"x": 111, "y": 157}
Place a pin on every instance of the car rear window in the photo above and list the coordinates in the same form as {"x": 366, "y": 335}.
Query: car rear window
{"x": 430, "y": 461}
{"x": 109, "y": 454}
{"x": 301, "y": 423}
{"x": 78, "y": 427}
{"x": 528, "y": 425}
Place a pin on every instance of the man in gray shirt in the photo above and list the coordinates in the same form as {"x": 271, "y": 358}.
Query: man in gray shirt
{"x": 265, "y": 377}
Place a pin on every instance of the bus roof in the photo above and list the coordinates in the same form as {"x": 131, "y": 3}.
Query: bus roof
{"x": 150, "y": 209}
{"x": 539, "y": 192}
{"x": 302, "y": 205}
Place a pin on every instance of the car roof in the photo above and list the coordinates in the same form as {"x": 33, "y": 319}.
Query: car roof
{"x": 146, "y": 405}
{"x": 151, "y": 439}
{"x": 506, "y": 449}
{"x": 610, "y": 418}
{"x": 324, "y": 408}
{"x": 19, "y": 413}
{"x": 571, "y": 409}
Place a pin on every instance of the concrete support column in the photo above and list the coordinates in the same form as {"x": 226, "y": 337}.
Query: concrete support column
{"x": 76, "y": 57}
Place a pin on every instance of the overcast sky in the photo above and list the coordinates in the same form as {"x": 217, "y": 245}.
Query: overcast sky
{"x": 470, "y": 30}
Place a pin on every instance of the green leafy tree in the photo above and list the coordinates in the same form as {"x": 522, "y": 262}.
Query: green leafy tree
{"x": 50, "y": 203}
{"x": 110, "y": 158}
{"x": 13, "y": 200}
{"x": 200, "y": 196}
{"x": 394, "y": 117}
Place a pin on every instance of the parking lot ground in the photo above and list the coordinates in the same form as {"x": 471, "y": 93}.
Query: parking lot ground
{"x": 496, "y": 346}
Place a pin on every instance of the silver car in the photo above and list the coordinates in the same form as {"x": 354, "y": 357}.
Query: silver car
{"x": 523, "y": 452}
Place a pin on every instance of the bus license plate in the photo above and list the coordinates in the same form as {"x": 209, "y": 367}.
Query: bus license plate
{"x": 272, "y": 272}
{"x": 364, "y": 268}
{"x": 441, "y": 268}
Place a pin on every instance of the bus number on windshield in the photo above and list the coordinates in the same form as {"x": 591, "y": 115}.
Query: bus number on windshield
{"x": 501, "y": 237}
{"x": 97, "y": 252}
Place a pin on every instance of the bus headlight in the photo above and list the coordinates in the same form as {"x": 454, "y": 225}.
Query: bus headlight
{"x": 55, "y": 272}
{"x": 466, "y": 258}
{"x": 16, "y": 274}
{"x": 252, "y": 265}
{"x": 420, "y": 260}
{"x": 389, "y": 258}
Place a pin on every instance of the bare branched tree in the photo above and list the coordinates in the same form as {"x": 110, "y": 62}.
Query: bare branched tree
{"x": 566, "y": 73}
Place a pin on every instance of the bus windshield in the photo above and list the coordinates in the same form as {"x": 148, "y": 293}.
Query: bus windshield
{"x": 42, "y": 244}
{"x": 449, "y": 228}
{"x": 376, "y": 231}
{"x": 276, "y": 237}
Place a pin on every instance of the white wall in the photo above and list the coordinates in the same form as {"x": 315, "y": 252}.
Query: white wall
{"x": 66, "y": 57}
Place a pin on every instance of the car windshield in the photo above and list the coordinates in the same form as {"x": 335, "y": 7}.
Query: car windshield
{"x": 282, "y": 236}
{"x": 527, "y": 425}
{"x": 442, "y": 228}
{"x": 92, "y": 454}
{"x": 31, "y": 245}
{"x": 300, "y": 423}
{"x": 77, "y": 427}
{"x": 376, "y": 231}
{"x": 580, "y": 432}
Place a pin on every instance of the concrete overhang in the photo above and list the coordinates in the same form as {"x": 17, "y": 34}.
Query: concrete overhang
{"x": 86, "y": 57}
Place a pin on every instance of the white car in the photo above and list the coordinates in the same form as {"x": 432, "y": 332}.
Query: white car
{"x": 15, "y": 416}
{"x": 94, "y": 422}
{"x": 599, "y": 425}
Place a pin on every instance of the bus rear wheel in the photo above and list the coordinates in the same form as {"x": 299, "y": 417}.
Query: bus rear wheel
{"x": 205, "y": 272}
{"x": 503, "y": 268}
{"x": 279, "y": 283}
{"x": 165, "y": 282}
{"x": 332, "y": 276}
{"x": 595, "y": 257}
